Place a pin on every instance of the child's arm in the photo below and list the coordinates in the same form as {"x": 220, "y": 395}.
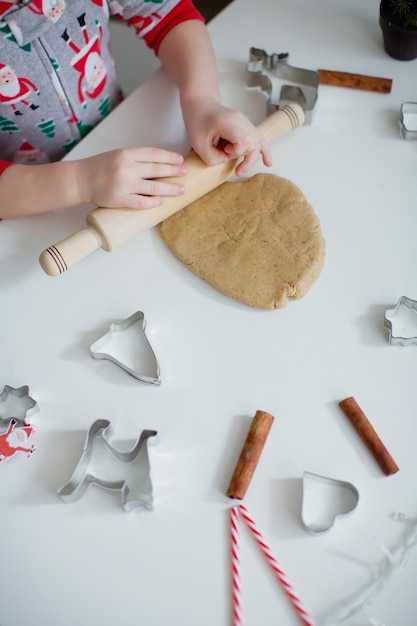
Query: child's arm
{"x": 216, "y": 132}
{"x": 119, "y": 178}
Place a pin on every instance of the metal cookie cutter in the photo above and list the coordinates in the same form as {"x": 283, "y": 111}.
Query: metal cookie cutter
{"x": 128, "y": 348}
{"x": 401, "y": 322}
{"x": 138, "y": 494}
{"x": 16, "y": 404}
{"x": 325, "y": 499}
{"x": 282, "y": 82}
{"x": 408, "y": 122}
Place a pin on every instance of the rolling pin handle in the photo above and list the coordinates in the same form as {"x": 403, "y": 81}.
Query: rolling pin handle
{"x": 284, "y": 120}
{"x": 61, "y": 256}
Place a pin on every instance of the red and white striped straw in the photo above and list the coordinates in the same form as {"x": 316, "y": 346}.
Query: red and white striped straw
{"x": 305, "y": 618}
{"x": 236, "y": 581}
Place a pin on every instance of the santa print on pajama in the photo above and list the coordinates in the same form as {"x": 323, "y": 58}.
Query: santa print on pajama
{"x": 88, "y": 62}
{"x": 52, "y": 9}
{"x": 15, "y": 89}
{"x": 57, "y": 74}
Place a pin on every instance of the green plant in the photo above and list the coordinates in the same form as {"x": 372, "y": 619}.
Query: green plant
{"x": 403, "y": 13}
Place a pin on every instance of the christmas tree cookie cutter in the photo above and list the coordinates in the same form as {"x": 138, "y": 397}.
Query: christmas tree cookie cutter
{"x": 124, "y": 472}
{"x": 126, "y": 345}
{"x": 401, "y": 321}
{"x": 16, "y": 404}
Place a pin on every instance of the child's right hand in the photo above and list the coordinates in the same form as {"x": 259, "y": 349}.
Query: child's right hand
{"x": 121, "y": 178}
{"x": 128, "y": 177}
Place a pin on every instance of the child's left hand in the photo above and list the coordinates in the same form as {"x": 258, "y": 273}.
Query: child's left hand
{"x": 218, "y": 133}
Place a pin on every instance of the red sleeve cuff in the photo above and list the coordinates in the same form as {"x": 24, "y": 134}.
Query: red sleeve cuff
{"x": 182, "y": 12}
{"x": 4, "y": 165}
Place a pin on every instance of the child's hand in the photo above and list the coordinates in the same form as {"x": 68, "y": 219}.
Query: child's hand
{"x": 218, "y": 134}
{"x": 129, "y": 178}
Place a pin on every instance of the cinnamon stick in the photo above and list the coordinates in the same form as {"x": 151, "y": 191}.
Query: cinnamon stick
{"x": 250, "y": 454}
{"x": 355, "y": 81}
{"x": 368, "y": 435}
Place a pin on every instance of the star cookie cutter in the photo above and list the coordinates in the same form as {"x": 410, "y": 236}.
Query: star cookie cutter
{"x": 99, "y": 454}
{"x": 401, "y": 321}
{"x": 408, "y": 121}
{"x": 129, "y": 349}
{"x": 324, "y": 500}
{"x": 16, "y": 404}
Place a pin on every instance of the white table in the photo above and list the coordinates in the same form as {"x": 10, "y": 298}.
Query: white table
{"x": 90, "y": 563}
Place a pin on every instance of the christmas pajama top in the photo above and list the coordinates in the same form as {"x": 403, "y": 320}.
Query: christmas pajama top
{"x": 57, "y": 73}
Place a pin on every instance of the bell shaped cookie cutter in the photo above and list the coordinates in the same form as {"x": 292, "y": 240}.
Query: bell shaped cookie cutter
{"x": 401, "y": 321}
{"x": 16, "y": 404}
{"x": 98, "y": 437}
{"x": 324, "y": 500}
{"x": 129, "y": 348}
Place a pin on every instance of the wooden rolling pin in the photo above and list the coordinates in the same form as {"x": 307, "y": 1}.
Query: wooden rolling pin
{"x": 111, "y": 228}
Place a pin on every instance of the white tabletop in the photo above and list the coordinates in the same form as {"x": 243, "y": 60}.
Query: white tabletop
{"x": 91, "y": 563}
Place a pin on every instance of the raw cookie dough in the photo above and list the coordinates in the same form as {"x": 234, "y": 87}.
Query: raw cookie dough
{"x": 257, "y": 241}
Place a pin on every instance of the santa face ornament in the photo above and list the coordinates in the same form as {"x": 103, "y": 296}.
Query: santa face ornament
{"x": 15, "y": 440}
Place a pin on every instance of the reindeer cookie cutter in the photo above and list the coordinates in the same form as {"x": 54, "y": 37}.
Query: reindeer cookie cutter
{"x": 282, "y": 82}
{"x": 103, "y": 465}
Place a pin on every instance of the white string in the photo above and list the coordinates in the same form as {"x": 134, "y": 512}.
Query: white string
{"x": 395, "y": 563}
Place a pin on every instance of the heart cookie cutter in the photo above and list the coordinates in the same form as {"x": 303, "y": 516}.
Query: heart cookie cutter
{"x": 84, "y": 474}
{"x": 401, "y": 321}
{"x": 129, "y": 348}
{"x": 324, "y": 500}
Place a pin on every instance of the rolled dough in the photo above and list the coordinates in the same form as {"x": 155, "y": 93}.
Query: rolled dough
{"x": 258, "y": 241}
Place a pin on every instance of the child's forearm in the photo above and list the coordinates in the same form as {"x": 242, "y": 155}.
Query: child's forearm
{"x": 187, "y": 55}
{"x": 118, "y": 178}
{"x": 31, "y": 189}
{"x": 216, "y": 132}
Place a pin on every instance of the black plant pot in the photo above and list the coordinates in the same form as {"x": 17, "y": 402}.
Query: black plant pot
{"x": 399, "y": 43}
